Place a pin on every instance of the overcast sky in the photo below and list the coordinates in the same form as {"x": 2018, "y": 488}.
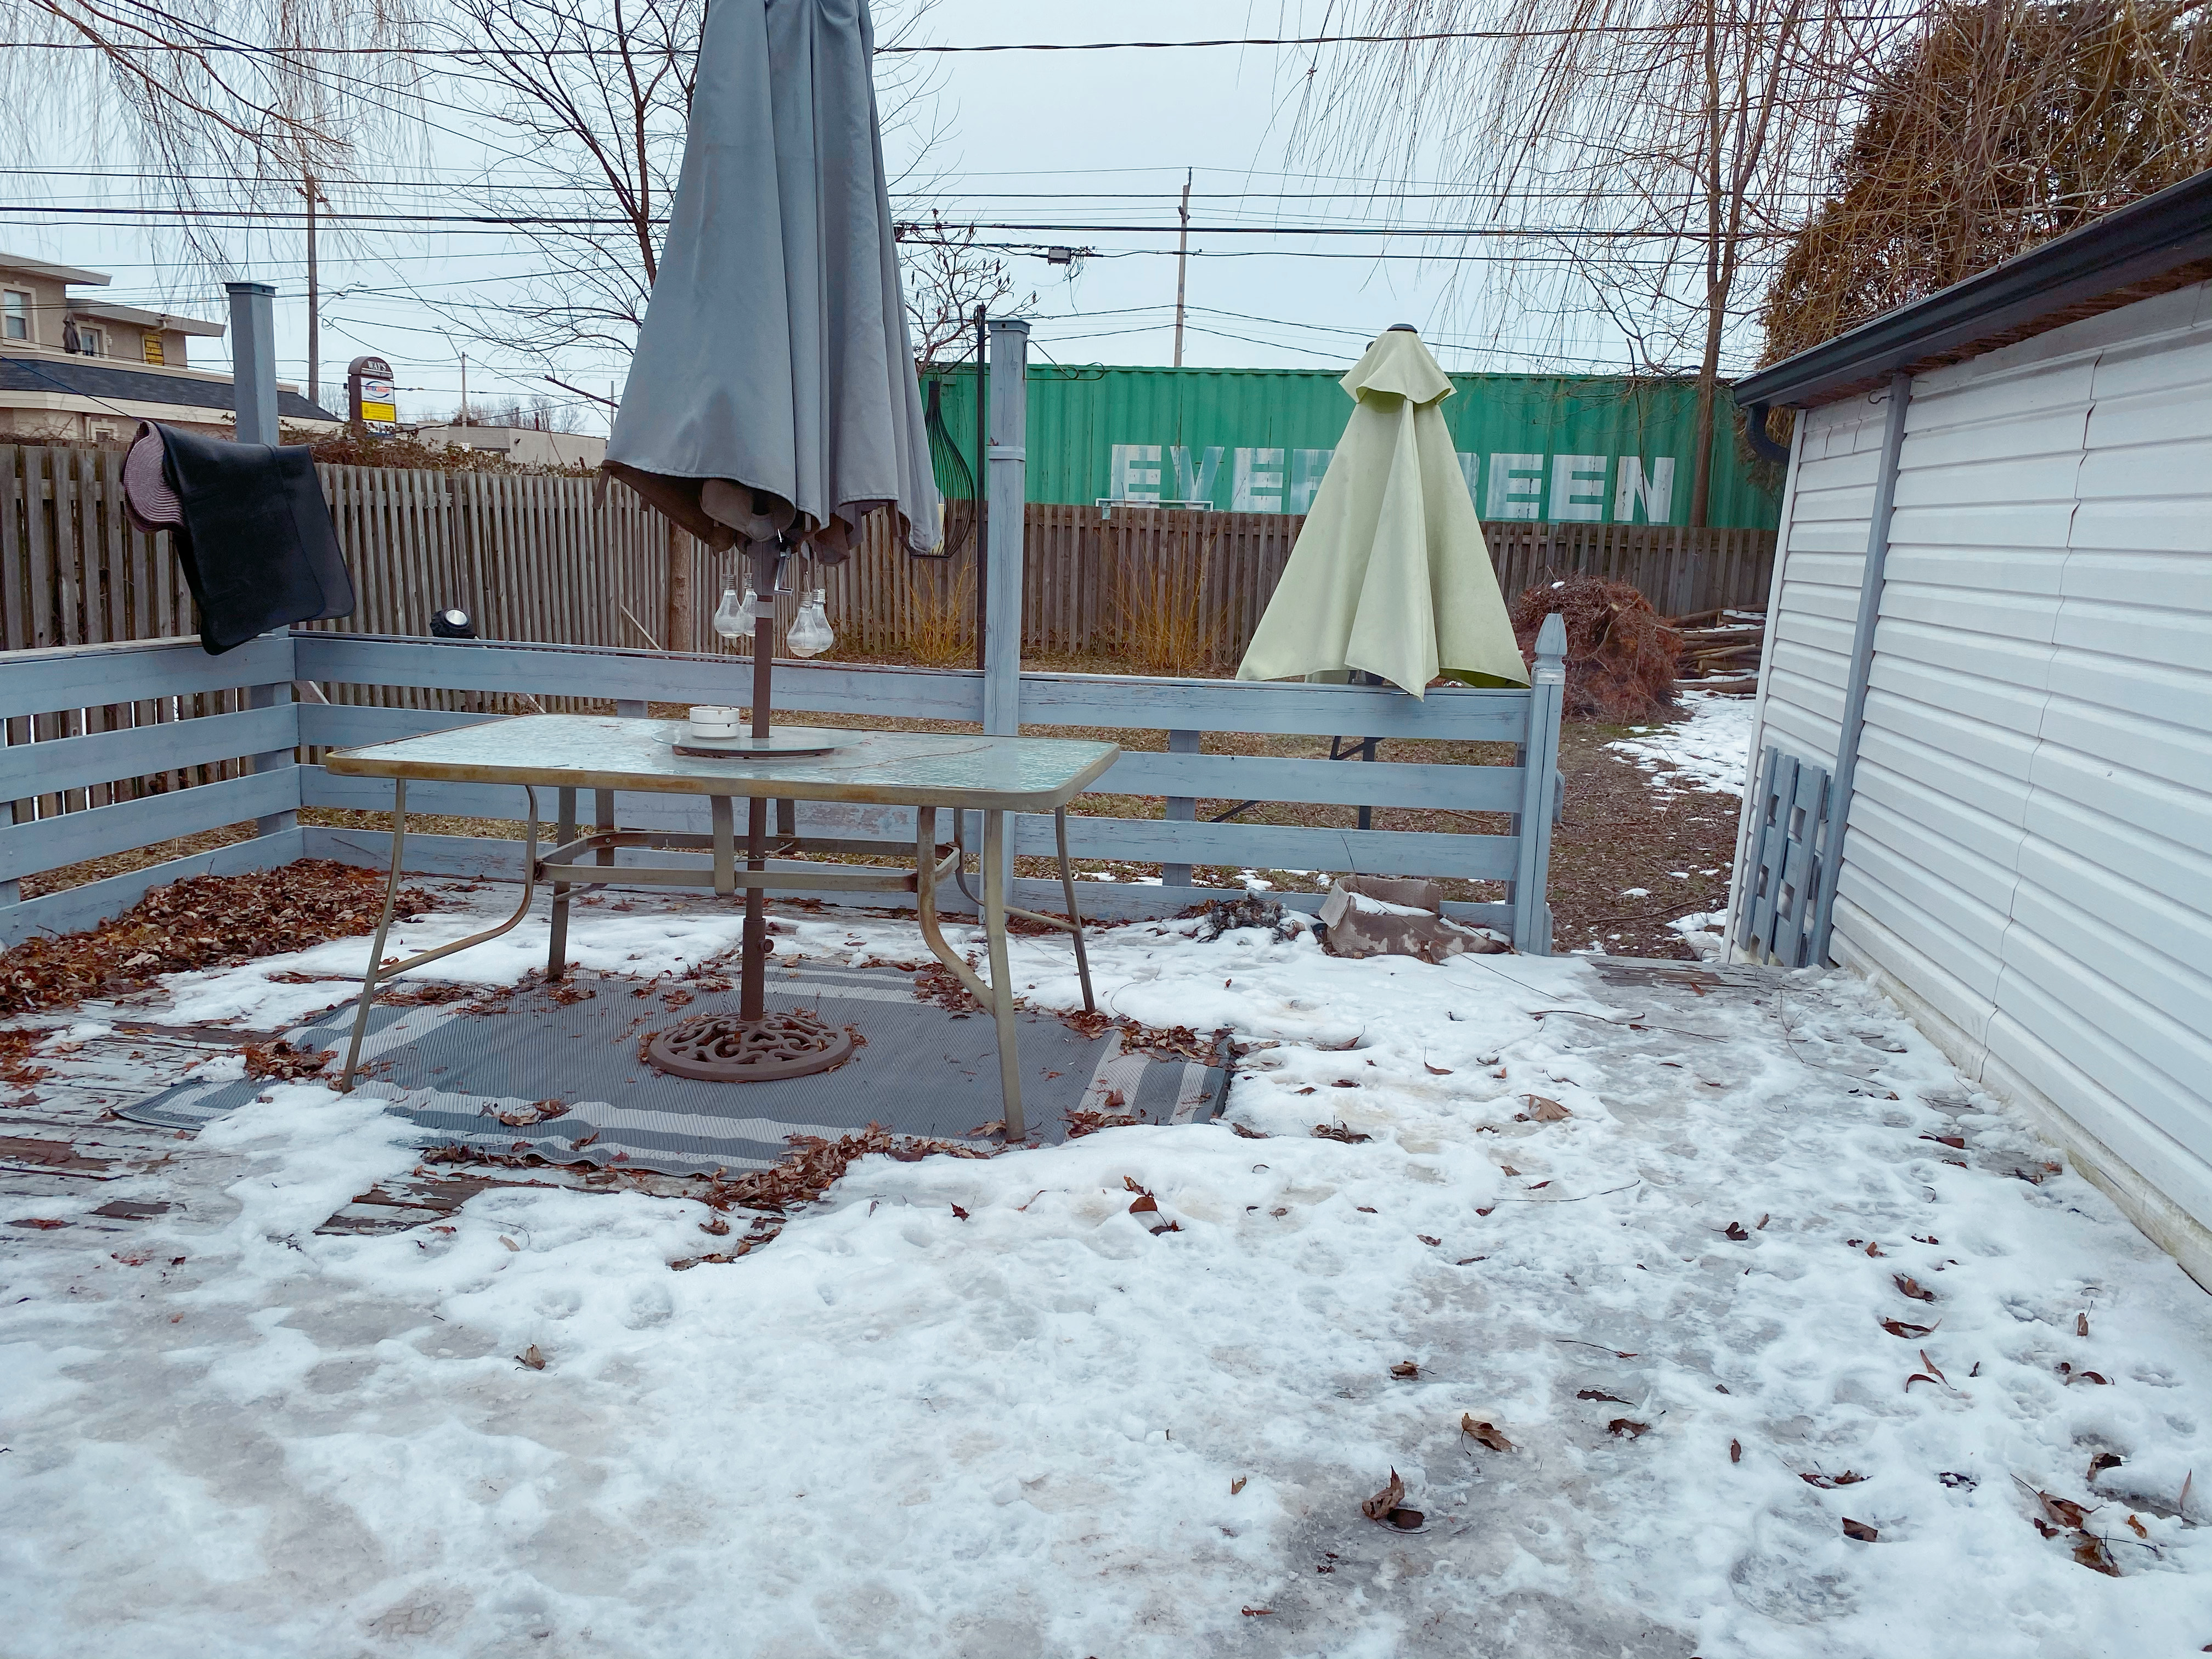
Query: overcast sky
{"x": 1029, "y": 139}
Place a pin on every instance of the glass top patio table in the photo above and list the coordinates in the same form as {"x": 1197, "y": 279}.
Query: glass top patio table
{"x": 596, "y": 752}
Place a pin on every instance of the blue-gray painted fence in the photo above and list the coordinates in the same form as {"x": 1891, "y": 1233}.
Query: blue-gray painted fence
{"x": 268, "y": 786}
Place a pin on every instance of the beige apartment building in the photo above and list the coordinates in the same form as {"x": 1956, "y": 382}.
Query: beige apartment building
{"x": 77, "y": 368}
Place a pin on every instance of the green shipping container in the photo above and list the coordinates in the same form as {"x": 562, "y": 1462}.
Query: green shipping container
{"x": 1557, "y": 448}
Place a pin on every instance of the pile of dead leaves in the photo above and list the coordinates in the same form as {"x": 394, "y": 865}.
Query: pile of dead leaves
{"x": 1622, "y": 658}
{"x": 814, "y": 1162}
{"x": 279, "y": 1061}
{"x": 198, "y": 923}
{"x": 1082, "y": 1121}
{"x": 938, "y": 984}
{"x": 16, "y": 1048}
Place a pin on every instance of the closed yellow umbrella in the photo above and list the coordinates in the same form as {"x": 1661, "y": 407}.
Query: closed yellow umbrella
{"x": 1390, "y": 575}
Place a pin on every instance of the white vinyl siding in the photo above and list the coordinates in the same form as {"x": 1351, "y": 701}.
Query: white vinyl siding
{"x": 2030, "y": 848}
{"x": 1821, "y": 552}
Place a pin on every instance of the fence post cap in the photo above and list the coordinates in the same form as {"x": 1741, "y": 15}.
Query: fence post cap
{"x": 1552, "y": 639}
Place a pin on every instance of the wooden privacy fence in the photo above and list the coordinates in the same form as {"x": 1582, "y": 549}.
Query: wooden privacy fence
{"x": 548, "y": 559}
{"x": 260, "y": 731}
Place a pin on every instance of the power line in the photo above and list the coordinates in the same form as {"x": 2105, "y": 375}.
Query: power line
{"x": 581, "y": 222}
{"x": 1361, "y": 188}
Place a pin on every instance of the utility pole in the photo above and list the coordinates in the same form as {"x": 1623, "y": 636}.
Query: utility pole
{"x": 1183, "y": 264}
{"x": 464, "y": 389}
{"x": 315, "y": 295}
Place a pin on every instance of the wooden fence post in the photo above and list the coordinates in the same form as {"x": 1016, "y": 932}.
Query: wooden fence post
{"x": 675, "y": 632}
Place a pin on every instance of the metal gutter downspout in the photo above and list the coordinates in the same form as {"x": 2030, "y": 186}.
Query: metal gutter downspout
{"x": 1862, "y": 665}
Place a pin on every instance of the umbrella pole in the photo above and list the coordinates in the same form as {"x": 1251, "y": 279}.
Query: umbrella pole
{"x": 756, "y": 1047}
{"x": 753, "y": 975}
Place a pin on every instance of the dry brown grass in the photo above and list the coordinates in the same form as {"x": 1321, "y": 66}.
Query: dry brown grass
{"x": 1163, "y": 622}
{"x": 940, "y": 601}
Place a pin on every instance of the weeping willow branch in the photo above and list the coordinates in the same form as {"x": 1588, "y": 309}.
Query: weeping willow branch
{"x": 1688, "y": 129}
{"x": 216, "y": 126}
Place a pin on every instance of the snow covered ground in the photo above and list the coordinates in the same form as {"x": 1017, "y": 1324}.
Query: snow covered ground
{"x": 1038, "y": 1428}
{"x": 1705, "y": 749}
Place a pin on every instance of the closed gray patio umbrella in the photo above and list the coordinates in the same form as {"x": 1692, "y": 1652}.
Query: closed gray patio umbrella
{"x": 772, "y": 400}
{"x": 773, "y": 389}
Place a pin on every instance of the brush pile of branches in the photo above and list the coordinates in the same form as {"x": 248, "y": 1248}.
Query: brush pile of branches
{"x": 1622, "y": 658}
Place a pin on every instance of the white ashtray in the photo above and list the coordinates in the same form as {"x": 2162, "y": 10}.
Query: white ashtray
{"x": 712, "y": 722}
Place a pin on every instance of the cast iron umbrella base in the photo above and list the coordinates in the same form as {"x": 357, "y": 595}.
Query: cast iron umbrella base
{"x": 755, "y": 1046}
{"x": 726, "y": 1048}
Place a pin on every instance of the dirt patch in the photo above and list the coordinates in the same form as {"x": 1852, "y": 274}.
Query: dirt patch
{"x": 1616, "y": 833}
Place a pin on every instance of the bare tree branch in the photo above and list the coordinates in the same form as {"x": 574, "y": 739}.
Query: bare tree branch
{"x": 1688, "y": 129}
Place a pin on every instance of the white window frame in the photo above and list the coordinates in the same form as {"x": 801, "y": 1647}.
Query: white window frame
{"x": 16, "y": 305}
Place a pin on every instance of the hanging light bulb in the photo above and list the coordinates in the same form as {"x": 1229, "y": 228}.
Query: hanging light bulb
{"x": 809, "y": 633}
{"x": 733, "y": 618}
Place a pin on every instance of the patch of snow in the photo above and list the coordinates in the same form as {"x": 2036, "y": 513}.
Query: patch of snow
{"x": 1709, "y": 749}
{"x": 1039, "y": 1428}
{"x": 1704, "y": 931}
{"x": 1368, "y": 904}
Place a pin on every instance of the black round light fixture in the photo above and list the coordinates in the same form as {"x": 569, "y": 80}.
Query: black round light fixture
{"x": 453, "y": 624}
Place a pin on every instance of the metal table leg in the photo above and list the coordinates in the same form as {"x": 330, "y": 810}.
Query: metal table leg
{"x": 556, "y": 955}
{"x": 602, "y": 817}
{"x": 1071, "y": 923}
{"x": 370, "y": 980}
{"x": 726, "y": 855}
{"x": 925, "y": 901}
{"x": 1075, "y": 915}
{"x": 995, "y": 872}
